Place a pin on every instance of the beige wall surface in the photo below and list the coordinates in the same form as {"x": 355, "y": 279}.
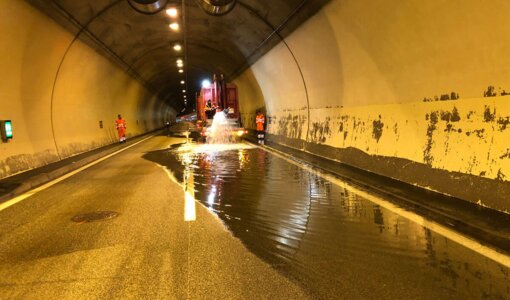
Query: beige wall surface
{"x": 356, "y": 88}
{"x": 58, "y": 116}
{"x": 253, "y": 100}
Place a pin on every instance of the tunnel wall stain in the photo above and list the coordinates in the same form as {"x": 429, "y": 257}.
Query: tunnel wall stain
{"x": 367, "y": 79}
{"x": 457, "y": 148}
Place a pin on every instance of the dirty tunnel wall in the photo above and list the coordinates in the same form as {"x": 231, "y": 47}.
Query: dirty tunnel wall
{"x": 57, "y": 117}
{"x": 362, "y": 82}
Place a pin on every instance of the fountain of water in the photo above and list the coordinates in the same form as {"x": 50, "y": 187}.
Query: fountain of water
{"x": 221, "y": 130}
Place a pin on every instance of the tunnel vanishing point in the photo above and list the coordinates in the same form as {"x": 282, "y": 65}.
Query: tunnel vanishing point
{"x": 411, "y": 90}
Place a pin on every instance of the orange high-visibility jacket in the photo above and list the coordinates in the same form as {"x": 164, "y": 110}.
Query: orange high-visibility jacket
{"x": 260, "y": 122}
{"x": 121, "y": 126}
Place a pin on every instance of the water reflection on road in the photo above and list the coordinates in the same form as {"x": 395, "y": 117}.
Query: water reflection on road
{"x": 333, "y": 242}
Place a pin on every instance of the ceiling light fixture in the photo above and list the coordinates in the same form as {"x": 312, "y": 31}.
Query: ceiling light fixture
{"x": 181, "y": 71}
{"x": 177, "y": 47}
{"x": 184, "y": 91}
{"x": 174, "y": 26}
{"x": 172, "y": 12}
{"x": 179, "y": 61}
{"x": 182, "y": 82}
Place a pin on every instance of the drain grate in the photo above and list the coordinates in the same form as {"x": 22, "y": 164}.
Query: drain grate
{"x": 94, "y": 216}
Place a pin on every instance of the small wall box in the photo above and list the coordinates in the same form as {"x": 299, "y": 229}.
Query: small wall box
{"x": 6, "y": 130}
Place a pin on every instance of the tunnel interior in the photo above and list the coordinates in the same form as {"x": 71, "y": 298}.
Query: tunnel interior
{"x": 142, "y": 44}
{"x": 413, "y": 91}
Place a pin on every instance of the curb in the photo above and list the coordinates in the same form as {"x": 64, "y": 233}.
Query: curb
{"x": 492, "y": 234}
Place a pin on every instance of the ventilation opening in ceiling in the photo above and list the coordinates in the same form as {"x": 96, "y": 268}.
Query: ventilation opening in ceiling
{"x": 217, "y": 7}
{"x": 148, "y": 7}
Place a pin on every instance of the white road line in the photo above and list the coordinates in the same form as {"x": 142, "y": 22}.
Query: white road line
{"x": 190, "y": 211}
{"x": 431, "y": 225}
{"x": 24, "y": 196}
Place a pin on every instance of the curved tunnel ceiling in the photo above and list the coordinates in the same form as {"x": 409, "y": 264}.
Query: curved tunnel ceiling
{"x": 142, "y": 44}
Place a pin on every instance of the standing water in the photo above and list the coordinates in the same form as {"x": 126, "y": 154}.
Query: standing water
{"x": 333, "y": 242}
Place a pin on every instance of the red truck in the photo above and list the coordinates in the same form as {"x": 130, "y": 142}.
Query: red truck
{"x": 219, "y": 97}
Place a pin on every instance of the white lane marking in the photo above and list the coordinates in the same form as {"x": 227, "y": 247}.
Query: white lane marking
{"x": 461, "y": 239}
{"x": 32, "y": 192}
{"x": 189, "y": 200}
{"x": 189, "y": 208}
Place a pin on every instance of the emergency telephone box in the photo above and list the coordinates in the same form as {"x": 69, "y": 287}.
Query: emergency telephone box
{"x": 6, "y": 130}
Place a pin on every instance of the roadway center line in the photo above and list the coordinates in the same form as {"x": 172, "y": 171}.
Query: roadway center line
{"x": 457, "y": 237}
{"x": 32, "y": 192}
{"x": 190, "y": 211}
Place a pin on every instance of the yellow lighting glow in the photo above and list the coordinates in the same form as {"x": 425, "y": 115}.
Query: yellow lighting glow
{"x": 182, "y": 82}
{"x": 174, "y": 26}
{"x": 181, "y": 71}
{"x": 172, "y": 12}
{"x": 179, "y": 61}
{"x": 177, "y": 47}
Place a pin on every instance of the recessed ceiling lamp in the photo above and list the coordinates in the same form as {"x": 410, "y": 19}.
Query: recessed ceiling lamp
{"x": 182, "y": 82}
{"x": 177, "y": 47}
{"x": 184, "y": 96}
{"x": 179, "y": 61}
{"x": 181, "y": 71}
{"x": 184, "y": 91}
{"x": 172, "y": 12}
{"x": 174, "y": 26}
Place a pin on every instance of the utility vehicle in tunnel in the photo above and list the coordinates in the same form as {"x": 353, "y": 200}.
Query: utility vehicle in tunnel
{"x": 218, "y": 111}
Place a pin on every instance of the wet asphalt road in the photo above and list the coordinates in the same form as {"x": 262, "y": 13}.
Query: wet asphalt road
{"x": 147, "y": 252}
{"x": 332, "y": 241}
{"x": 286, "y": 234}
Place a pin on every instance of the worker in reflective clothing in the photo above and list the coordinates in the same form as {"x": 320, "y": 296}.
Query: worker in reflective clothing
{"x": 260, "y": 120}
{"x": 210, "y": 110}
{"x": 120, "y": 124}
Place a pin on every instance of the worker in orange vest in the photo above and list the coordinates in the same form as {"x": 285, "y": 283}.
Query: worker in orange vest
{"x": 260, "y": 120}
{"x": 120, "y": 124}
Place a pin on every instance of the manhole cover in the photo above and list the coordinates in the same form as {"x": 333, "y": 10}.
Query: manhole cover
{"x": 94, "y": 216}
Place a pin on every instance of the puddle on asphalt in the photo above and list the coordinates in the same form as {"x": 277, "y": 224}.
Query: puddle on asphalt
{"x": 332, "y": 242}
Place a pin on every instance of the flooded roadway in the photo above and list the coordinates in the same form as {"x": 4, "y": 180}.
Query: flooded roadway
{"x": 328, "y": 239}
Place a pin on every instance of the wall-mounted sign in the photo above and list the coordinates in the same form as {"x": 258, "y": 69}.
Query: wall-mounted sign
{"x": 6, "y": 130}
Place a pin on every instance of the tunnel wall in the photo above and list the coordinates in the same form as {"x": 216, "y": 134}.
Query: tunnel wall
{"x": 57, "y": 116}
{"x": 361, "y": 82}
